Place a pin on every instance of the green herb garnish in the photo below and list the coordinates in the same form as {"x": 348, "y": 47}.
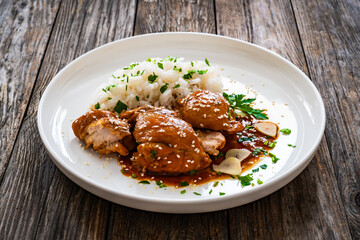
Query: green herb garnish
{"x": 237, "y": 101}
{"x": 137, "y": 98}
{"x": 273, "y": 157}
{"x": 184, "y": 184}
{"x": 152, "y": 78}
{"x": 290, "y": 145}
{"x": 192, "y": 64}
{"x": 160, "y": 184}
{"x": 272, "y": 145}
{"x": 197, "y": 193}
{"x": 153, "y": 154}
{"x": 210, "y": 191}
{"x": 285, "y": 131}
{"x": 248, "y": 127}
{"x": 97, "y": 106}
{"x": 177, "y": 86}
{"x": 120, "y": 106}
{"x": 216, "y": 183}
{"x": 221, "y": 193}
{"x": 160, "y": 65}
{"x": 183, "y": 192}
{"x": 259, "y": 181}
{"x": 122, "y": 170}
{"x": 207, "y": 62}
{"x": 258, "y": 151}
{"x": 164, "y": 88}
{"x": 245, "y": 180}
{"x": 133, "y": 175}
{"x": 192, "y": 172}
{"x": 144, "y": 182}
{"x": 244, "y": 139}
{"x": 264, "y": 166}
{"x": 255, "y": 170}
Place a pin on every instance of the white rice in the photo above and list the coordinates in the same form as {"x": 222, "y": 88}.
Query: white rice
{"x": 132, "y": 87}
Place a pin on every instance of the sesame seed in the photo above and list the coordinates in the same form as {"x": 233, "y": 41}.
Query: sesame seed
{"x": 177, "y": 155}
{"x": 169, "y": 162}
{"x": 186, "y": 165}
{"x": 201, "y": 125}
{"x": 204, "y": 115}
{"x": 175, "y": 145}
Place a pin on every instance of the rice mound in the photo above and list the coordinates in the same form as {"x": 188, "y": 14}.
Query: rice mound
{"x": 157, "y": 82}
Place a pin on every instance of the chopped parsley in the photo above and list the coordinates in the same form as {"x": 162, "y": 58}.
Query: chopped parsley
{"x": 192, "y": 172}
{"x": 177, "y": 69}
{"x": 137, "y": 98}
{"x": 216, "y": 183}
{"x": 273, "y": 157}
{"x": 184, "y": 184}
{"x": 142, "y": 72}
{"x": 164, "y": 88}
{"x": 160, "y": 184}
{"x": 114, "y": 76}
{"x": 255, "y": 170}
{"x": 244, "y": 139}
{"x": 107, "y": 88}
{"x": 152, "y": 78}
{"x": 258, "y": 151}
{"x": 131, "y": 66}
{"x": 148, "y": 60}
{"x": 97, "y": 106}
{"x": 221, "y": 154}
{"x": 120, "y": 106}
{"x": 285, "y": 131}
{"x": 237, "y": 101}
{"x": 190, "y": 73}
{"x": 153, "y": 154}
{"x": 259, "y": 181}
{"x": 202, "y": 72}
{"x": 133, "y": 175}
{"x": 248, "y": 127}
{"x": 245, "y": 180}
{"x": 183, "y": 192}
{"x": 221, "y": 193}
{"x": 160, "y": 65}
{"x": 264, "y": 166}
{"x": 272, "y": 145}
{"x": 210, "y": 191}
{"x": 144, "y": 182}
{"x": 122, "y": 170}
{"x": 192, "y": 64}
{"x": 290, "y": 145}
{"x": 197, "y": 193}
{"x": 109, "y": 98}
{"x": 207, "y": 62}
{"x": 266, "y": 142}
{"x": 176, "y": 86}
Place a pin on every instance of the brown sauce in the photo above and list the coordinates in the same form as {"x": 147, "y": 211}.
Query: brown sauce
{"x": 248, "y": 138}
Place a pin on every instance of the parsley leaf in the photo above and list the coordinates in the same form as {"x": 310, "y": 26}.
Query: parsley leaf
{"x": 285, "y": 131}
{"x": 272, "y": 145}
{"x": 264, "y": 166}
{"x": 245, "y": 180}
{"x": 177, "y": 86}
{"x": 255, "y": 170}
{"x": 97, "y": 106}
{"x": 160, "y": 65}
{"x": 290, "y": 145}
{"x": 184, "y": 184}
{"x": 258, "y": 151}
{"x": 221, "y": 193}
{"x": 164, "y": 88}
{"x": 120, "y": 106}
{"x": 273, "y": 157}
{"x": 197, "y": 193}
{"x": 152, "y": 77}
{"x": 237, "y": 101}
{"x": 259, "y": 181}
{"x": 133, "y": 175}
{"x": 137, "y": 98}
{"x": 160, "y": 184}
{"x": 144, "y": 182}
{"x": 183, "y": 192}
{"x": 207, "y": 62}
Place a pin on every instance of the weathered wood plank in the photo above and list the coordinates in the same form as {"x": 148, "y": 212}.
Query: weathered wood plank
{"x": 330, "y": 33}
{"x": 24, "y": 32}
{"x": 309, "y": 207}
{"x": 160, "y": 16}
{"x": 166, "y": 16}
{"x": 37, "y": 200}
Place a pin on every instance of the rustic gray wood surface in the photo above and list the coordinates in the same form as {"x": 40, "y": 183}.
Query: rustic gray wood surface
{"x": 39, "y": 38}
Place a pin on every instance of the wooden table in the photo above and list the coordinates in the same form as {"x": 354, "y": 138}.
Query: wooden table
{"x": 38, "y": 38}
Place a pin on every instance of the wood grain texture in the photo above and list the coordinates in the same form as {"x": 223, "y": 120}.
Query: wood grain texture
{"x": 126, "y": 223}
{"x": 24, "y": 32}
{"x": 299, "y": 210}
{"x": 330, "y": 33}
{"x": 173, "y": 15}
{"x": 46, "y": 204}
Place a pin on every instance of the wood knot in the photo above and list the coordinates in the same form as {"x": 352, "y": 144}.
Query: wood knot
{"x": 357, "y": 199}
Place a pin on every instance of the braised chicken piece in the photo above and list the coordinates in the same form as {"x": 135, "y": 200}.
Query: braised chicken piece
{"x": 209, "y": 110}
{"x": 131, "y": 115}
{"x": 211, "y": 141}
{"x": 105, "y": 132}
{"x": 168, "y": 145}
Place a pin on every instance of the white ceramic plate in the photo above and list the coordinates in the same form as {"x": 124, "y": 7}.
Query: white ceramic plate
{"x": 292, "y": 101}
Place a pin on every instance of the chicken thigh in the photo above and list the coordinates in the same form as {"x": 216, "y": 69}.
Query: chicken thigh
{"x": 209, "y": 110}
{"x": 167, "y": 145}
{"x": 104, "y": 131}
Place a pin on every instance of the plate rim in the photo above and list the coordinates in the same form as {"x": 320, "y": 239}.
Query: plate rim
{"x": 273, "y": 184}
